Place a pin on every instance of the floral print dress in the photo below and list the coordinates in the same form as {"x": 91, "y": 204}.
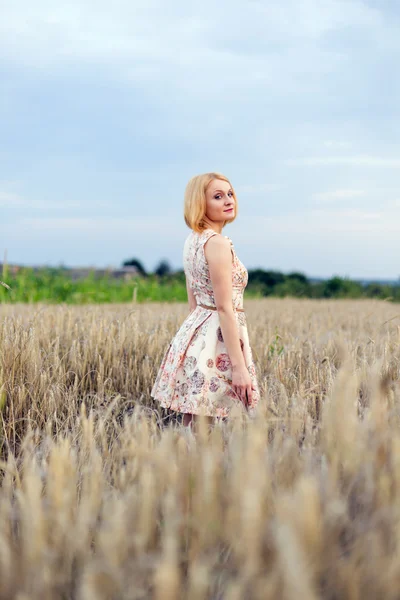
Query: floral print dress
{"x": 195, "y": 375}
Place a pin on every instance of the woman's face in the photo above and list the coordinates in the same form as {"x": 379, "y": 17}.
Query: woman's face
{"x": 220, "y": 203}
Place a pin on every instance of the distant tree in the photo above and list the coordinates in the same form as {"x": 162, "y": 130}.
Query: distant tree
{"x": 135, "y": 262}
{"x": 292, "y": 287}
{"x": 163, "y": 268}
{"x": 268, "y": 278}
{"x": 376, "y": 290}
{"x": 299, "y": 276}
{"x": 339, "y": 287}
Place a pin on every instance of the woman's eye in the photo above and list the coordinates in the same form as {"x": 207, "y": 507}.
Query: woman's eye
{"x": 217, "y": 197}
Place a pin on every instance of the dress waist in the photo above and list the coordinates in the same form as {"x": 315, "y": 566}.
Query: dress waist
{"x": 215, "y": 308}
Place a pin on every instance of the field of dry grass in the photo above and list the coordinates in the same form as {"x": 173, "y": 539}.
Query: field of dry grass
{"x": 105, "y": 497}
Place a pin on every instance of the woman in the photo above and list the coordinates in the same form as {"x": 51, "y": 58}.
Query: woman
{"x": 208, "y": 367}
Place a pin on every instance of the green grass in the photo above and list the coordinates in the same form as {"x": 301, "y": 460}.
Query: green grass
{"x": 55, "y": 286}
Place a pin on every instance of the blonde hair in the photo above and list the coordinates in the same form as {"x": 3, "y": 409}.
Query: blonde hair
{"x": 195, "y": 200}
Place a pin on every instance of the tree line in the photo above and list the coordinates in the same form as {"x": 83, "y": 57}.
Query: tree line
{"x": 275, "y": 283}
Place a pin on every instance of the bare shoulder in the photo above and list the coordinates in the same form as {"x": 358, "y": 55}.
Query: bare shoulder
{"x": 218, "y": 242}
{"x": 218, "y": 249}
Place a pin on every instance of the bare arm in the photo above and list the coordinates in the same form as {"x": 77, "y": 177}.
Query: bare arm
{"x": 191, "y": 297}
{"x": 219, "y": 257}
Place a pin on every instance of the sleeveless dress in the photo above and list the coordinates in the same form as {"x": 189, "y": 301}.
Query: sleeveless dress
{"x": 195, "y": 375}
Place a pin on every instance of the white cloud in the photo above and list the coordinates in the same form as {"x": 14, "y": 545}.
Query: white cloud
{"x": 12, "y": 200}
{"x": 336, "y": 145}
{"x": 8, "y": 184}
{"x": 334, "y": 195}
{"x": 9, "y": 199}
{"x": 144, "y": 37}
{"x": 258, "y": 188}
{"x": 356, "y": 161}
{"x": 321, "y": 222}
{"x": 349, "y": 214}
{"x": 98, "y": 226}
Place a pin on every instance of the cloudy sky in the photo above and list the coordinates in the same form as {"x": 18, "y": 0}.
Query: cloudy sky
{"x": 107, "y": 110}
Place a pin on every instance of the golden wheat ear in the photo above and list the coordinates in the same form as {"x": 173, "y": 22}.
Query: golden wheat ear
{"x": 5, "y": 285}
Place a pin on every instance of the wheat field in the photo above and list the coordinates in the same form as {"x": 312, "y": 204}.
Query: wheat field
{"x": 104, "y": 496}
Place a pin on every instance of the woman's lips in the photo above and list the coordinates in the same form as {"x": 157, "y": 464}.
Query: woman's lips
{"x": 228, "y": 210}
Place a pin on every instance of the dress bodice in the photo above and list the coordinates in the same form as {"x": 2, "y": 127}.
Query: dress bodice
{"x": 198, "y": 275}
{"x": 196, "y": 374}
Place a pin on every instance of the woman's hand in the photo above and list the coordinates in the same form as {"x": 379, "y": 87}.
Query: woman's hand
{"x": 241, "y": 383}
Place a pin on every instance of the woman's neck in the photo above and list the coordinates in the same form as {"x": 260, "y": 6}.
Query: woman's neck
{"x": 214, "y": 225}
